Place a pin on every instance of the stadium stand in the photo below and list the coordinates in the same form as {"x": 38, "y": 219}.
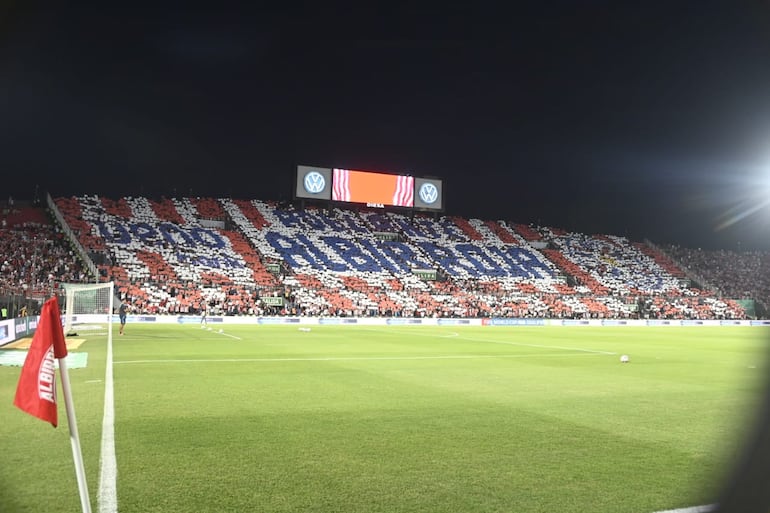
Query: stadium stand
{"x": 737, "y": 275}
{"x": 172, "y": 255}
{"x": 36, "y": 258}
{"x": 244, "y": 257}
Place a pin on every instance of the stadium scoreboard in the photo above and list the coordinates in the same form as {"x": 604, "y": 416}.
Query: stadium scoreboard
{"x": 374, "y": 189}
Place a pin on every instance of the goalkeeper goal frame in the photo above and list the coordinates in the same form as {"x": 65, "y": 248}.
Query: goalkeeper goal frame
{"x": 88, "y": 306}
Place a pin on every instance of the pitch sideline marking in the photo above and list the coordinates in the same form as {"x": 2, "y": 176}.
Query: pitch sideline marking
{"x": 695, "y": 509}
{"x": 107, "y": 498}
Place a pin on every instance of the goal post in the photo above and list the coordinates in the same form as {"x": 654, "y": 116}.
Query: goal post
{"x": 88, "y": 307}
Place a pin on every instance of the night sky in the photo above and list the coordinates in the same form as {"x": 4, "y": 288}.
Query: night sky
{"x": 641, "y": 119}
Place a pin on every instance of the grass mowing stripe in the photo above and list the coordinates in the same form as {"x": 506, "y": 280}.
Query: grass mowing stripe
{"x": 522, "y": 344}
{"x": 512, "y": 428}
{"x": 472, "y": 339}
{"x": 358, "y": 358}
{"x": 426, "y": 434}
{"x": 108, "y": 468}
{"x": 391, "y": 331}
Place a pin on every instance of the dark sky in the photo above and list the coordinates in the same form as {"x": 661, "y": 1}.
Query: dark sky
{"x": 645, "y": 119}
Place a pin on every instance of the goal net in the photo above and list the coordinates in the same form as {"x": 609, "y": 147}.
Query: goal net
{"x": 88, "y": 307}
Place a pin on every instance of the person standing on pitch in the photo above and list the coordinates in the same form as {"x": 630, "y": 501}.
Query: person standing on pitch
{"x": 122, "y": 312}
{"x": 204, "y": 312}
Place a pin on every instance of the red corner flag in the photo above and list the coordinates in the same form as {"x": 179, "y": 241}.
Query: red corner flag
{"x": 36, "y": 391}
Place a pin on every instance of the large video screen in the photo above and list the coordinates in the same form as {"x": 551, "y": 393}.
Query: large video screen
{"x": 372, "y": 188}
{"x": 368, "y": 187}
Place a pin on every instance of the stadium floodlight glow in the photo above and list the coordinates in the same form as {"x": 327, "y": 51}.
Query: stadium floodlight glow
{"x": 748, "y": 196}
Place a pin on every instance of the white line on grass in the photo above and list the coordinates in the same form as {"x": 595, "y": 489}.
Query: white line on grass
{"x": 108, "y": 468}
{"x": 541, "y": 346}
{"x": 353, "y": 358}
{"x": 220, "y": 332}
{"x": 694, "y": 509}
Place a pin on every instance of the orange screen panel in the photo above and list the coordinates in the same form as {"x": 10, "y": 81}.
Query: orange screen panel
{"x": 366, "y": 187}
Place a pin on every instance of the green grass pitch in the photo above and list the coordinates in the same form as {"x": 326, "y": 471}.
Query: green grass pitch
{"x": 397, "y": 419}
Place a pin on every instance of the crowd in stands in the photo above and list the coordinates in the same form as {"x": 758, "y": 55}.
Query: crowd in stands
{"x": 738, "y": 275}
{"x": 237, "y": 257}
{"x": 35, "y": 257}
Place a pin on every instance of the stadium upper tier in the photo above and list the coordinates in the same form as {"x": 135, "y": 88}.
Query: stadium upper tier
{"x": 256, "y": 257}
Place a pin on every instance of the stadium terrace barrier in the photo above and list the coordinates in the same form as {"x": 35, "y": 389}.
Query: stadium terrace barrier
{"x": 71, "y": 236}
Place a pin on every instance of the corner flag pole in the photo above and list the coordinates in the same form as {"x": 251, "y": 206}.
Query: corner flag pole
{"x": 36, "y": 390}
{"x": 77, "y": 456}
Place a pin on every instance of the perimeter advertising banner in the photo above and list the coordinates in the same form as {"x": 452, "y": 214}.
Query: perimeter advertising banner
{"x": 313, "y": 183}
{"x": 6, "y": 333}
{"x": 429, "y": 194}
{"x": 395, "y": 321}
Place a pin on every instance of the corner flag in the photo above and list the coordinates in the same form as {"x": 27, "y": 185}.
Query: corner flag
{"x": 36, "y": 391}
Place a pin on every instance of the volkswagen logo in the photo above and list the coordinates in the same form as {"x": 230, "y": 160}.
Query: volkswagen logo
{"x": 314, "y": 182}
{"x": 428, "y": 193}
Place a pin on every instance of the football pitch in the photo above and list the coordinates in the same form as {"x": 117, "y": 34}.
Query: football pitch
{"x": 395, "y": 419}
